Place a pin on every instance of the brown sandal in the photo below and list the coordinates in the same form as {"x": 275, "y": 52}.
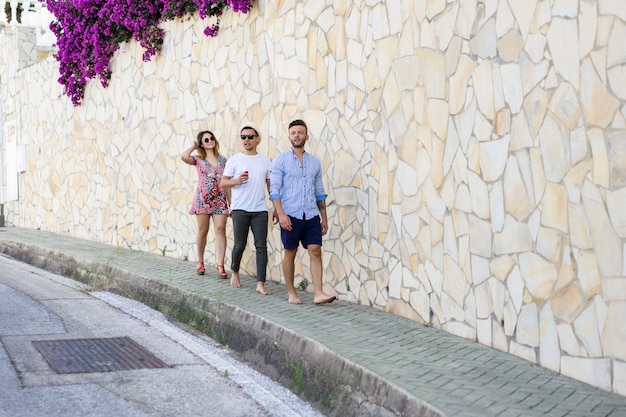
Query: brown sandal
{"x": 200, "y": 268}
{"x": 221, "y": 272}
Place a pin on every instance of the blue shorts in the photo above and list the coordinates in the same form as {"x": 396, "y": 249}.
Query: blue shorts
{"x": 308, "y": 231}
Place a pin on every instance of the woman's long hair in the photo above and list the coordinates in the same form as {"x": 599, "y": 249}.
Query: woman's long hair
{"x": 201, "y": 151}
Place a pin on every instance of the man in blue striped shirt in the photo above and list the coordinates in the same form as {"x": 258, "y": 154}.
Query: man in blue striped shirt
{"x": 297, "y": 192}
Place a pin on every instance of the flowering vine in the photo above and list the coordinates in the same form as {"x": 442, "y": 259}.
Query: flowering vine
{"x": 89, "y": 32}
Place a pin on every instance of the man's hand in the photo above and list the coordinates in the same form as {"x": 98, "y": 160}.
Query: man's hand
{"x": 285, "y": 222}
{"x": 242, "y": 179}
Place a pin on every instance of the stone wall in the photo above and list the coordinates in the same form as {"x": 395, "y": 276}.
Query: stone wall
{"x": 474, "y": 156}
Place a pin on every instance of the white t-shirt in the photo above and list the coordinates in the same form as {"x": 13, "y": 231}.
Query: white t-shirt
{"x": 251, "y": 195}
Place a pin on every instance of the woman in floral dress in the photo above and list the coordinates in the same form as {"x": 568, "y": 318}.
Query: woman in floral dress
{"x": 210, "y": 201}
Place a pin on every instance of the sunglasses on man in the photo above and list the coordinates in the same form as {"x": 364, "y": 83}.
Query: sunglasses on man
{"x": 244, "y": 137}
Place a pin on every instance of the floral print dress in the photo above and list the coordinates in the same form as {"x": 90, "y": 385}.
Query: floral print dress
{"x": 210, "y": 197}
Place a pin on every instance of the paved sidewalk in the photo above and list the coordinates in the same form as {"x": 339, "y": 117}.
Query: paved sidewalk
{"x": 401, "y": 365}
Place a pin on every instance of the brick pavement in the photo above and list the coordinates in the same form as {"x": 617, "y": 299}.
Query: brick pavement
{"x": 395, "y": 358}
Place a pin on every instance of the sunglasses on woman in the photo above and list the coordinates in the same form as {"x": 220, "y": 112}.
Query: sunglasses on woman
{"x": 207, "y": 140}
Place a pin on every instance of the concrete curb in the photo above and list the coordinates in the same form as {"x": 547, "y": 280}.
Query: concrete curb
{"x": 335, "y": 385}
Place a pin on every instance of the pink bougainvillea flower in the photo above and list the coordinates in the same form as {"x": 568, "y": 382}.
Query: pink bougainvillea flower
{"x": 89, "y": 32}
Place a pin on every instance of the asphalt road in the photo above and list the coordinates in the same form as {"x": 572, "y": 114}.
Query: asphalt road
{"x": 68, "y": 352}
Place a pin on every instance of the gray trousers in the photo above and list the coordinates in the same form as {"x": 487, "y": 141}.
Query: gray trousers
{"x": 243, "y": 222}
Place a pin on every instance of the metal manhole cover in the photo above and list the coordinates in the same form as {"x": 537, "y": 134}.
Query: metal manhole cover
{"x": 96, "y": 355}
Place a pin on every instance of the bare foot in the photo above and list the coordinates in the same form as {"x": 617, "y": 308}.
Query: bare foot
{"x": 260, "y": 288}
{"x": 293, "y": 299}
{"x": 324, "y": 299}
{"x": 234, "y": 280}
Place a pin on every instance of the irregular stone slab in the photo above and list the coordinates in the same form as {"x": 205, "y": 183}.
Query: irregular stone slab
{"x": 510, "y": 319}
{"x": 616, "y": 54}
{"x": 539, "y": 276}
{"x": 434, "y": 7}
{"x": 568, "y": 340}
{"x": 480, "y": 269}
{"x": 578, "y": 145}
{"x": 535, "y": 46}
{"x": 497, "y": 290}
{"x": 586, "y": 326}
{"x": 587, "y": 25}
{"x": 554, "y": 213}
{"x": 554, "y": 149}
{"x": 496, "y": 207}
{"x": 480, "y": 236}
{"x": 484, "y": 43}
{"x": 568, "y": 302}
{"x": 535, "y": 105}
{"x": 520, "y": 132}
{"x": 524, "y": 352}
{"x": 616, "y": 154}
{"x": 523, "y": 12}
{"x": 407, "y": 70}
{"x": 433, "y": 66}
{"x": 549, "y": 244}
{"x": 514, "y": 238}
{"x": 479, "y": 195}
{"x": 527, "y": 332}
{"x": 443, "y": 28}
{"x": 616, "y": 206}
{"x": 598, "y": 103}
{"x": 614, "y": 289}
{"x": 516, "y": 198}
{"x": 599, "y": 157}
{"x": 574, "y": 180}
{"x": 562, "y": 38}
{"x": 616, "y": 77}
{"x": 512, "y": 86}
{"x": 510, "y": 45}
{"x": 614, "y": 331}
{"x": 550, "y": 352}
{"x": 579, "y": 227}
{"x": 459, "y": 82}
{"x": 565, "y": 8}
{"x": 607, "y": 243}
{"x": 564, "y": 104}
{"x": 501, "y": 267}
{"x": 619, "y": 377}
{"x": 596, "y": 371}
{"x": 455, "y": 284}
{"x": 483, "y": 78}
{"x": 437, "y": 115}
{"x": 588, "y": 272}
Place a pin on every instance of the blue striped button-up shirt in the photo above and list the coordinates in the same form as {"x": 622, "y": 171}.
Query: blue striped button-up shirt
{"x": 298, "y": 186}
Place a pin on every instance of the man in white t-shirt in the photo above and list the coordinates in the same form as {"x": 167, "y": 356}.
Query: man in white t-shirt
{"x": 247, "y": 175}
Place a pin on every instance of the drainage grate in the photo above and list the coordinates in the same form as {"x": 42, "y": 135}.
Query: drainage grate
{"x": 96, "y": 355}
